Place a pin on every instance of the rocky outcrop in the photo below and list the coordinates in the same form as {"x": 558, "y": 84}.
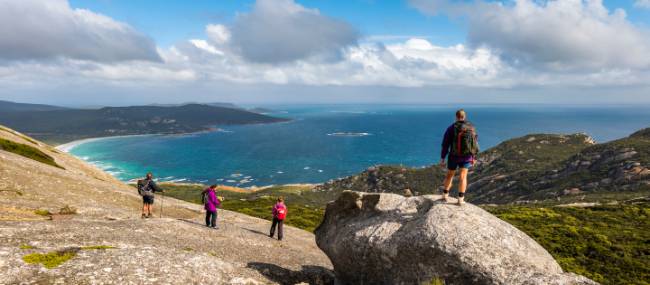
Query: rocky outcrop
{"x": 104, "y": 241}
{"x": 390, "y": 239}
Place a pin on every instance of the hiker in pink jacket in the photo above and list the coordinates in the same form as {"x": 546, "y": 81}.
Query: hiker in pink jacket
{"x": 279, "y": 214}
{"x": 211, "y": 204}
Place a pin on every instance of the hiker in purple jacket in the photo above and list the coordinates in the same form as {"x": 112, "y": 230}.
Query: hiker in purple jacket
{"x": 459, "y": 146}
{"x": 211, "y": 204}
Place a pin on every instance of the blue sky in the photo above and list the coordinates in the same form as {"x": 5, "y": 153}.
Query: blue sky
{"x": 176, "y": 20}
{"x": 125, "y": 52}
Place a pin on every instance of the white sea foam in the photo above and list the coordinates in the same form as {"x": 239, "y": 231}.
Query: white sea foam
{"x": 349, "y": 134}
{"x": 350, "y": 112}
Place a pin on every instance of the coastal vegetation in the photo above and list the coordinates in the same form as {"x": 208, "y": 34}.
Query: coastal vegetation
{"x": 607, "y": 243}
{"x": 27, "y": 151}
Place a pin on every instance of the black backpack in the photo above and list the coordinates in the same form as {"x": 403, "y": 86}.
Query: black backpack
{"x": 465, "y": 141}
{"x": 204, "y": 197}
{"x": 143, "y": 188}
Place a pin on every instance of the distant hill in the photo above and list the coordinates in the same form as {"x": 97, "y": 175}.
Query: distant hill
{"x": 6, "y": 106}
{"x": 215, "y": 104}
{"x": 538, "y": 168}
{"x": 63, "y": 125}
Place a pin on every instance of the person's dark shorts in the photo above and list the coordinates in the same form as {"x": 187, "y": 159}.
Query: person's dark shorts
{"x": 452, "y": 164}
{"x": 147, "y": 199}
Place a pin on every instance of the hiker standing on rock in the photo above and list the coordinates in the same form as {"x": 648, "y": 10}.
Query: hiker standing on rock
{"x": 211, "y": 203}
{"x": 146, "y": 189}
{"x": 459, "y": 146}
{"x": 279, "y": 214}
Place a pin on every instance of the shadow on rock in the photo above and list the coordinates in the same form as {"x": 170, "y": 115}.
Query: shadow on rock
{"x": 309, "y": 274}
{"x": 256, "y": 232}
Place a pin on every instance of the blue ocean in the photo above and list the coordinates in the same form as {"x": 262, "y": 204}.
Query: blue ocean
{"x": 324, "y": 142}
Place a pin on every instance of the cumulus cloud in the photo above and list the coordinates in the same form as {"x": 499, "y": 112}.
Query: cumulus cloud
{"x": 558, "y": 35}
{"x": 558, "y": 43}
{"x": 34, "y": 29}
{"x": 278, "y": 31}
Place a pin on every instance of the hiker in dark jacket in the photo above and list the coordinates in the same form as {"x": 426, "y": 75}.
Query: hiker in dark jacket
{"x": 211, "y": 202}
{"x": 146, "y": 189}
{"x": 279, "y": 214}
{"x": 459, "y": 146}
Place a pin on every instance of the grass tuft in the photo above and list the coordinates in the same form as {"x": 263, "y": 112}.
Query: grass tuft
{"x": 42, "y": 212}
{"x": 51, "y": 259}
{"x": 26, "y": 246}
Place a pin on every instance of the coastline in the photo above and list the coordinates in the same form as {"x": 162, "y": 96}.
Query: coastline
{"x": 67, "y": 147}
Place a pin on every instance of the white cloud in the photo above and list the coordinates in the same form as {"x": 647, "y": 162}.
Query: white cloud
{"x": 277, "y": 31}
{"x": 560, "y": 35}
{"x": 204, "y": 45}
{"x": 34, "y": 30}
{"x": 560, "y": 43}
{"x": 218, "y": 34}
{"x": 642, "y": 4}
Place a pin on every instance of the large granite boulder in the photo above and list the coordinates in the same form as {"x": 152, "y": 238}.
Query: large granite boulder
{"x": 391, "y": 239}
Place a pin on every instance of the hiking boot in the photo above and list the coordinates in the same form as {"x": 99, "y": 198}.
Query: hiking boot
{"x": 444, "y": 195}
{"x": 143, "y": 216}
{"x": 461, "y": 201}
{"x": 149, "y": 216}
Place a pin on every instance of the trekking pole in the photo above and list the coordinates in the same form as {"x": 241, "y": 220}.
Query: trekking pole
{"x": 162, "y": 202}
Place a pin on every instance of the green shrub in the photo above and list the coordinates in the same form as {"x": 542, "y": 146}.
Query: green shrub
{"x": 608, "y": 244}
{"x": 28, "y": 152}
{"x": 26, "y": 246}
{"x": 51, "y": 259}
{"x": 42, "y": 212}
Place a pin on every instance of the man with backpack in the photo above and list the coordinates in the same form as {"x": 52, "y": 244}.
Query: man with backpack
{"x": 279, "y": 214}
{"x": 146, "y": 189}
{"x": 460, "y": 147}
{"x": 211, "y": 202}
